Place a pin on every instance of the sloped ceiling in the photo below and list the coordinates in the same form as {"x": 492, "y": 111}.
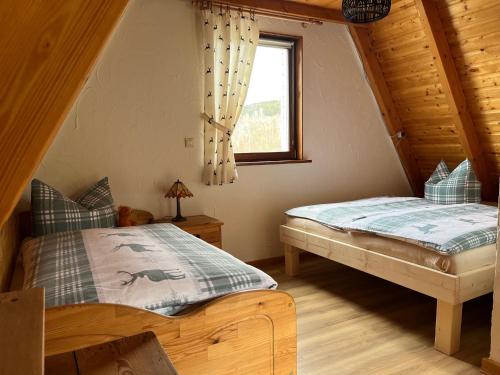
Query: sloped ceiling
{"x": 434, "y": 67}
{"x": 411, "y": 70}
{"x": 47, "y": 48}
{"x": 436, "y": 124}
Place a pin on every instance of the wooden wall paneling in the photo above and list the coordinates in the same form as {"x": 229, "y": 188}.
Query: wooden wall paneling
{"x": 9, "y": 244}
{"x": 452, "y": 87}
{"x": 47, "y": 49}
{"x": 382, "y": 94}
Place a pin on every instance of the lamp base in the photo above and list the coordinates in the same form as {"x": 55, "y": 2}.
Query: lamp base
{"x": 179, "y": 218}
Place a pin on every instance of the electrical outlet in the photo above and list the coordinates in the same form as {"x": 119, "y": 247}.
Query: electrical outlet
{"x": 188, "y": 142}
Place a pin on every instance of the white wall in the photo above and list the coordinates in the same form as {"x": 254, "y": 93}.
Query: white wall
{"x": 144, "y": 97}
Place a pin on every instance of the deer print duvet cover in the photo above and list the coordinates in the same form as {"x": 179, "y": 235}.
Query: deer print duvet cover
{"x": 156, "y": 267}
{"x": 445, "y": 228}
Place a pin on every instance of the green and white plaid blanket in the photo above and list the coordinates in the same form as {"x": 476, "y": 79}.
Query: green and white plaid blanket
{"x": 157, "y": 267}
{"x": 447, "y": 229}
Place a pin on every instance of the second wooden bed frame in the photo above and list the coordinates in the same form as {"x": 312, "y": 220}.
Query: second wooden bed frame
{"x": 451, "y": 291}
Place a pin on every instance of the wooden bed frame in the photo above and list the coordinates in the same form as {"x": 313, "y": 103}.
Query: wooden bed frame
{"x": 451, "y": 291}
{"x": 249, "y": 332}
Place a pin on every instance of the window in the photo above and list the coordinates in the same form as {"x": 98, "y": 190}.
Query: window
{"x": 269, "y": 127}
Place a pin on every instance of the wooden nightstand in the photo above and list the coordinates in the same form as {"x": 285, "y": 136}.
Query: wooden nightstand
{"x": 204, "y": 227}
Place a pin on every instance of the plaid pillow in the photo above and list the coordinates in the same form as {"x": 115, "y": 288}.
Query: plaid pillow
{"x": 52, "y": 212}
{"x": 440, "y": 173}
{"x": 459, "y": 186}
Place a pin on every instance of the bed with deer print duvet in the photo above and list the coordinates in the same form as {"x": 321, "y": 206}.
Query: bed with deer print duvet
{"x": 157, "y": 267}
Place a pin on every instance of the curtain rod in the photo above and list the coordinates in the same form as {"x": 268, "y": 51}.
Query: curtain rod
{"x": 204, "y": 4}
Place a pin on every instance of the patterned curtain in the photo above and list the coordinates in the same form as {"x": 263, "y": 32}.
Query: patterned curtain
{"x": 230, "y": 40}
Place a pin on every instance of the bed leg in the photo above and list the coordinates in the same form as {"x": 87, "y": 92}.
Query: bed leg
{"x": 448, "y": 327}
{"x": 291, "y": 260}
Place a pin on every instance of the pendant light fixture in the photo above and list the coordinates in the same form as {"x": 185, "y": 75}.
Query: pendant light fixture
{"x": 365, "y": 11}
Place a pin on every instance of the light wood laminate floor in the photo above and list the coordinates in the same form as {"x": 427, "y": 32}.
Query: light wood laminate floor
{"x": 353, "y": 323}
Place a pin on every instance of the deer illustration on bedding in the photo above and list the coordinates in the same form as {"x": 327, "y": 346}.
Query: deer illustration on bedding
{"x": 154, "y": 275}
{"x": 135, "y": 247}
{"x": 164, "y": 269}
{"x": 444, "y": 228}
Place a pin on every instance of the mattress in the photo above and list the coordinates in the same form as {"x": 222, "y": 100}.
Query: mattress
{"x": 451, "y": 264}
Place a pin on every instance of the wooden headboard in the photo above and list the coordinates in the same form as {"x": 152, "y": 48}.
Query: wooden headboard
{"x": 9, "y": 245}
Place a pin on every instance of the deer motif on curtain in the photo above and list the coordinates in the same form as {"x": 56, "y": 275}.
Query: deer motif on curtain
{"x": 230, "y": 41}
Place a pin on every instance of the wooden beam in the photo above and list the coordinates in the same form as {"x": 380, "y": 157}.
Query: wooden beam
{"x": 290, "y": 8}
{"x": 491, "y": 365}
{"x": 47, "y": 49}
{"x": 452, "y": 88}
{"x": 376, "y": 78}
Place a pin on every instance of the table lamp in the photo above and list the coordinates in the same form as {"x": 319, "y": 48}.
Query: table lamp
{"x": 178, "y": 191}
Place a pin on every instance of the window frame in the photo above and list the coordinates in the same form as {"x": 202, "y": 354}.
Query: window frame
{"x": 295, "y": 108}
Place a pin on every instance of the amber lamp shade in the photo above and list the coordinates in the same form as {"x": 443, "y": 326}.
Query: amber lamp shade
{"x": 178, "y": 191}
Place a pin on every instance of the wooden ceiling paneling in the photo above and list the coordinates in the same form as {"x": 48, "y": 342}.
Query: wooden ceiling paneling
{"x": 409, "y": 70}
{"x": 433, "y": 115}
{"x": 361, "y": 37}
{"x": 452, "y": 86}
{"x": 473, "y": 31}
